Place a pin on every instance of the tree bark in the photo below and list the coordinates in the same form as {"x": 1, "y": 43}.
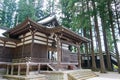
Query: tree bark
{"x": 114, "y": 38}
{"x": 86, "y": 50}
{"x": 94, "y": 68}
{"x": 117, "y": 17}
{"x": 104, "y": 28}
{"x": 109, "y": 65}
{"x": 102, "y": 65}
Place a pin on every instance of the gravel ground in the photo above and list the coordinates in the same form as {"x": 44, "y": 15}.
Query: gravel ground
{"x": 106, "y": 76}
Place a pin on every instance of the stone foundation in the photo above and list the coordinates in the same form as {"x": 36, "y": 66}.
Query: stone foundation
{"x": 55, "y": 75}
{"x": 29, "y": 77}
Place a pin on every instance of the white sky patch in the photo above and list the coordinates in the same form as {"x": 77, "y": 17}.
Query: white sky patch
{"x": 1, "y": 32}
{"x": 118, "y": 44}
{"x": 16, "y": 1}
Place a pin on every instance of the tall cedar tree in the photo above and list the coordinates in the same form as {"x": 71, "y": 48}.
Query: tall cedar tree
{"x": 113, "y": 34}
{"x": 102, "y": 65}
{"x": 94, "y": 68}
{"x": 104, "y": 19}
{"x": 7, "y": 12}
{"x": 25, "y": 9}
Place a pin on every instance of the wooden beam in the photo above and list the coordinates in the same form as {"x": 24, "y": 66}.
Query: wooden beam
{"x": 7, "y": 72}
{"x": 39, "y": 68}
{"x": 58, "y": 52}
{"x": 12, "y": 69}
{"x": 27, "y": 69}
{"x": 69, "y": 43}
{"x": 3, "y": 50}
{"x": 9, "y": 39}
{"x": 47, "y": 47}
{"x": 19, "y": 31}
{"x": 19, "y": 69}
{"x": 32, "y": 44}
{"x": 23, "y": 46}
{"x": 43, "y": 36}
{"x": 79, "y": 56}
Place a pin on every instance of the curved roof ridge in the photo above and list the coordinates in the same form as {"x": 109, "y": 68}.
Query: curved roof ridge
{"x": 51, "y": 19}
{"x": 47, "y": 19}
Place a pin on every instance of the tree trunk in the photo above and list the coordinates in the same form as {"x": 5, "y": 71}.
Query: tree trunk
{"x": 86, "y": 50}
{"x": 117, "y": 17}
{"x": 102, "y": 65}
{"x": 109, "y": 65}
{"x": 104, "y": 17}
{"x": 94, "y": 68}
{"x": 114, "y": 38}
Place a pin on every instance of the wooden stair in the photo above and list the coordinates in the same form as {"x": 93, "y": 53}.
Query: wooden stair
{"x": 81, "y": 75}
{"x": 51, "y": 67}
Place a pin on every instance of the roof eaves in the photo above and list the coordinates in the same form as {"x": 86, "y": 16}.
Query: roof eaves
{"x": 75, "y": 34}
{"x": 9, "y": 39}
{"x": 18, "y": 26}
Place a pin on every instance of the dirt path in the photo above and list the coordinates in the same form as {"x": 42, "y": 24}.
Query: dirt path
{"x": 107, "y": 76}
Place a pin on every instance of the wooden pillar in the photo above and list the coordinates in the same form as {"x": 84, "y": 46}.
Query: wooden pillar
{"x": 3, "y": 50}
{"x": 38, "y": 68}
{"x": 23, "y": 46}
{"x": 32, "y": 44}
{"x": 12, "y": 69}
{"x": 47, "y": 48}
{"x": 7, "y": 72}
{"x": 58, "y": 53}
{"x": 27, "y": 69}
{"x": 88, "y": 57}
{"x": 18, "y": 69}
{"x": 79, "y": 56}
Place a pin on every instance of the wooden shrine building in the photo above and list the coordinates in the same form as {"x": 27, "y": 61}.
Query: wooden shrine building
{"x": 42, "y": 45}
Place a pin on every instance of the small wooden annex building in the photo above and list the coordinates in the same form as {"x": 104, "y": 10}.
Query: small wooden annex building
{"x": 42, "y": 45}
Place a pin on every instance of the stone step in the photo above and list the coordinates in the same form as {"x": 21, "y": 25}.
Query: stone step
{"x": 81, "y": 75}
{"x": 84, "y": 78}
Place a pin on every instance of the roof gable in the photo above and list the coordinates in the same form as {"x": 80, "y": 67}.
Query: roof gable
{"x": 28, "y": 24}
{"x": 24, "y": 27}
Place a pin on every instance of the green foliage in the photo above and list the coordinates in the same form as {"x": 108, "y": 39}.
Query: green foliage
{"x": 7, "y": 12}
{"x": 39, "y": 11}
{"x": 25, "y": 10}
{"x": 74, "y": 14}
{"x": 13, "y": 12}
